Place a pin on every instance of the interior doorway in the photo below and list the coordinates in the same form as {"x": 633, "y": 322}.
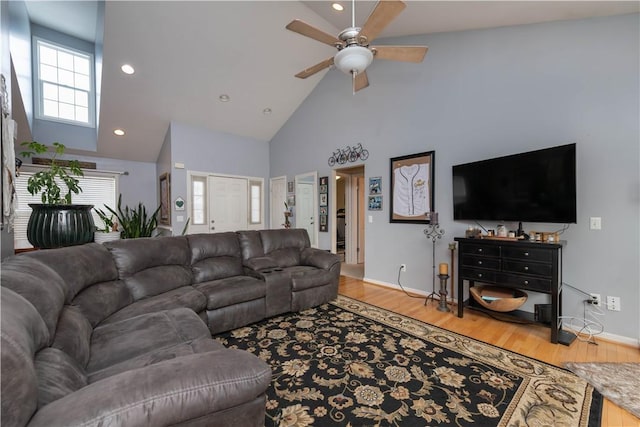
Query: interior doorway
{"x": 349, "y": 219}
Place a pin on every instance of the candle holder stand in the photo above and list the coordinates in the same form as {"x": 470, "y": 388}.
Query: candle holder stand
{"x": 443, "y": 293}
{"x": 433, "y": 232}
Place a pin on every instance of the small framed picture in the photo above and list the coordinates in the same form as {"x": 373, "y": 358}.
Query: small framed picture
{"x": 323, "y": 199}
{"x": 375, "y": 185}
{"x": 324, "y": 211}
{"x": 324, "y": 180}
{"x": 291, "y": 200}
{"x": 323, "y": 220}
{"x": 375, "y": 203}
{"x": 323, "y": 189}
{"x": 290, "y": 187}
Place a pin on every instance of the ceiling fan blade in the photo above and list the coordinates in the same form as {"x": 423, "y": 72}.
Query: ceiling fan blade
{"x": 384, "y": 12}
{"x": 361, "y": 81}
{"x": 315, "y": 68}
{"x": 400, "y": 53}
{"x": 305, "y": 29}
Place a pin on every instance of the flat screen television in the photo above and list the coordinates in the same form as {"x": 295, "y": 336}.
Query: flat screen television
{"x": 536, "y": 186}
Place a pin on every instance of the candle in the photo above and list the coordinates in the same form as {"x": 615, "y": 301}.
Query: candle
{"x": 444, "y": 268}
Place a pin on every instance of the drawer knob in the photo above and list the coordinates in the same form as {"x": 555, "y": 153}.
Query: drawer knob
{"x": 526, "y": 282}
{"x": 526, "y": 268}
{"x": 480, "y": 250}
{"x": 479, "y": 262}
{"x": 526, "y": 254}
{"x": 479, "y": 274}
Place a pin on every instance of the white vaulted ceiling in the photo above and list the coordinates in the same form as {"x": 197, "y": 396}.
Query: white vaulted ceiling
{"x": 186, "y": 54}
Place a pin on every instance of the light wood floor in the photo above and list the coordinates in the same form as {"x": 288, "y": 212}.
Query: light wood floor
{"x": 530, "y": 340}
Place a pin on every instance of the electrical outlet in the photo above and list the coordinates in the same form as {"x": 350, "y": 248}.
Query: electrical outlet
{"x": 403, "y": 267}
{"x": 613, "y": 303}
{"x": 595, "y": 299}
{"x": 595, "y": 223}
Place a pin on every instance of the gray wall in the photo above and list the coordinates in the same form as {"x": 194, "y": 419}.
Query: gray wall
{"x": 481, "y": 94}
{"x": 204, "y": 150}
{"x": 6, "y": 238}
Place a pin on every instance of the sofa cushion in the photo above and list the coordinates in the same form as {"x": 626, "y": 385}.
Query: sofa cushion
{"x": 119, "y": 341}
{"x": 185, "y": 296}
{"x": 310, "y": 278}
{"x": 23, "y": 333}
{"x": 38, "y": 284}
{"x": 101, "y": 300}
{"x": 73, "y": 335}
{"x": 286, "y": 257}
{"x": 232, "y": 290}
{"x": 250, "y": 244}
{"x": 58, "y": 375}
{"x": 201, "y": 345}
{"x": 281, "y": 239}
{"x": 79, "y": 266}
{"x": 151, "y": 266}
{"x": 214, "y": 256}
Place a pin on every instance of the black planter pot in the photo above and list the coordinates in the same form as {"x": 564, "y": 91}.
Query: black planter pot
{"x": 55, "y": 226}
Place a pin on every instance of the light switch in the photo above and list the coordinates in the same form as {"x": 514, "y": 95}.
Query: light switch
{"x": 595, "y": 223}
{"x": 370, "y": 219}
{"x": 178, "y": 165}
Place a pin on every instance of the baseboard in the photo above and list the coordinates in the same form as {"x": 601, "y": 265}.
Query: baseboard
{"x": 633, "y": 342}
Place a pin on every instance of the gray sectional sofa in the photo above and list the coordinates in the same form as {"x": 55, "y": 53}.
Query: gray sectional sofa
{"x": 120, "y": 334}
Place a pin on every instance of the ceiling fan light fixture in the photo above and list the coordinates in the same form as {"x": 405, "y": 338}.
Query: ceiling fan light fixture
{"x": 353, "y": 59}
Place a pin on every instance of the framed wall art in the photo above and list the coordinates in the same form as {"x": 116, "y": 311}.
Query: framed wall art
{"x": 375, "y": 203}
{"x": 411, "y": 199}
{"x": 324, "y": 203}
{"x": 375, "y": 185}
{"x": 165, "y": 199}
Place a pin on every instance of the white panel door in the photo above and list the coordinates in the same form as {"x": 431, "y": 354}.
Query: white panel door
{"x": 278, "y": 188}
{"x": 305, "y": 217}
{"x": 228, "y": 200}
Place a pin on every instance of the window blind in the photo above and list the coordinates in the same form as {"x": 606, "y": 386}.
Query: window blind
{"x": 98, "y": 189}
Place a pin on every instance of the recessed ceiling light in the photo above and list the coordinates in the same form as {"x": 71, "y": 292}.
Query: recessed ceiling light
{"x": 119, "y": 132}
{"x": 127, "y": 69}
{"x": 338, "y": 7}
{"x": 267, "y": 111}
{"x": 224, "y": 98}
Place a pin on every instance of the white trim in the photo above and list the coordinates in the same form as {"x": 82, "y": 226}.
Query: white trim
{"x": 37, "y": 82}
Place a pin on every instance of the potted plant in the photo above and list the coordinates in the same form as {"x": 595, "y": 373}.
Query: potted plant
{"x": 109, "y": 231}
{"x": 135, "y": 222}
{"x": 56, "y": 222}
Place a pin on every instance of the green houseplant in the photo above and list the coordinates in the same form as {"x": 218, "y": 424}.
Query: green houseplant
{"x": 56, "y": 222}
{"x": 135, "y": 222}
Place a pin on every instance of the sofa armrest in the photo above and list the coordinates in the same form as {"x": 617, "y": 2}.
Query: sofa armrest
{"x": 165, "y": 393}
{"x": 319, "y": 258}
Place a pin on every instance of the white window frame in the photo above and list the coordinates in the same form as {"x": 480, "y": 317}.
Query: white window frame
{"x": 23, "y": 211}
{"x": 38, "y": 83}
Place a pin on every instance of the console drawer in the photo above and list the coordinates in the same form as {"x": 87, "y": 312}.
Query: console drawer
{"x": 481, "y": 262}
{"x": 477, "y": 249}
{"x": 524, "y": 267}
{"x": 524, "y": 282}
{"x": 534, "y": 254}
{"x": 477, "y": 274}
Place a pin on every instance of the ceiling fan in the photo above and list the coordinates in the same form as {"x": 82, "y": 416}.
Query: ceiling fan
{"x": 354, "y": 52}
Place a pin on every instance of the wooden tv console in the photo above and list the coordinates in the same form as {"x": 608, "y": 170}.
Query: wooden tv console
{"x": 517, "y": 264}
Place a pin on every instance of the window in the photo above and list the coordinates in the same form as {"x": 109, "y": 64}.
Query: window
{"x": 98, "y": 189}
{"x": 255, "y": 202}
{"x": 199, "y": 196}
{"x": 64, "y": 84}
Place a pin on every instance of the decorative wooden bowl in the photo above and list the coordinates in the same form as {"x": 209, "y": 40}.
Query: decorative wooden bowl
{"x": 502, "y": 299}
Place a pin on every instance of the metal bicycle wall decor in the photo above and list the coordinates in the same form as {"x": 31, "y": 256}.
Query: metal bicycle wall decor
{"x": 341, "y": 156}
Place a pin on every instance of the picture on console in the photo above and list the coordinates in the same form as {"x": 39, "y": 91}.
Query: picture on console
{"x": 412, "y": 188}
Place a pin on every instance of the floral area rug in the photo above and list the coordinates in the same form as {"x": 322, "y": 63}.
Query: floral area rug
{"x": 348, "y": 363}
{"x": 618, "y": 382}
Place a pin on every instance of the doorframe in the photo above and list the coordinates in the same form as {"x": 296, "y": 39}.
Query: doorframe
{"x": 351, "y": 200}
